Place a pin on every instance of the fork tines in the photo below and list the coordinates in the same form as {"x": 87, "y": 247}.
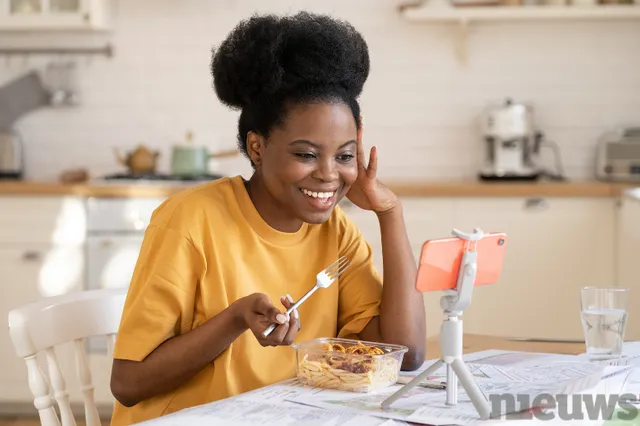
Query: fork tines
{"x": 337, "y": 268}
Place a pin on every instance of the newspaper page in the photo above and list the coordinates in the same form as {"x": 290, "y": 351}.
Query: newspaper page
{"x": 268, "y": 406}
{"x": 428, "y": 406}
{"x": 239, "y": 413}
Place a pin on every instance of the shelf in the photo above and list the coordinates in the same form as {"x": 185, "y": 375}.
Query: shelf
{"x": 445, "y": 13}
{"x": 52, "y": 26}
{"x": 440, "y": 11}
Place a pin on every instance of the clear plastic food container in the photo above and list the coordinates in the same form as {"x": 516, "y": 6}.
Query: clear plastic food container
{"x": 348, "y": 365}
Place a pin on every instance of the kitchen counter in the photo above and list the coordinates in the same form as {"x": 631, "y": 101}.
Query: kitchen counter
{"x": 417, "y": 188}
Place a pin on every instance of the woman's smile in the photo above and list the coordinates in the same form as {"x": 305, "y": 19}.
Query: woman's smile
{"x": 319, "y": 200}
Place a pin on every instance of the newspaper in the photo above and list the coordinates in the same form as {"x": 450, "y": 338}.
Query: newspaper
{"x": 268, "y": 407}
{"x": 248, "y": 413}
{"x": 496, "y": 372}
{"x": 428, "y": 406}
{"x": 630, "y": 356}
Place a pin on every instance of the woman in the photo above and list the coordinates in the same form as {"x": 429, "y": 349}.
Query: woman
{"x": 216, "y": 256}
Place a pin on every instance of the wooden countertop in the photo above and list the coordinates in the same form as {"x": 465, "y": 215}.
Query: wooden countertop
{"x": 477, "y": 343}
{"x": 416, "y": 188}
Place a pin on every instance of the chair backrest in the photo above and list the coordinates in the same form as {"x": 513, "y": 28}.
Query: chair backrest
{"x": 40, "y": 326}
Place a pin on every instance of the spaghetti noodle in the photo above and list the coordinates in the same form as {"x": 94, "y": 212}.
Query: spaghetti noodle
{"x": 357, "y": 368}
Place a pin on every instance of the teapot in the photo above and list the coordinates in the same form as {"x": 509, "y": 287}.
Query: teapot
{"x": 140, "y": 161}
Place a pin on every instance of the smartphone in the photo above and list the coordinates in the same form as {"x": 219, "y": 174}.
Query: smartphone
{"x": 440, "y": 261}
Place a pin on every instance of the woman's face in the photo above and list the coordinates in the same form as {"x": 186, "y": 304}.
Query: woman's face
{"x": 308, "y": 164}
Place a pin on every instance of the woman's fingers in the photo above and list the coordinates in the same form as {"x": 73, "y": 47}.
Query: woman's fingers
{"x": 295, "y": 313}
{"x": 373, "y": 163}
{"x": 294, "y": 321}
{"x": 264, "y": 307}
{"x": 360, "y": 155}
{"x": 278, "y": 335}
{"x": 285, "y": 333}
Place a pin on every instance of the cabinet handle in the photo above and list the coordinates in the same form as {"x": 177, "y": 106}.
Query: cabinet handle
{"x": 536, "y": 204}
{"x": 31, "y": 256}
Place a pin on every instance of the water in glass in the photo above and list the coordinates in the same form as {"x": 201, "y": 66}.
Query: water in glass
{"x": 604, "y": 331}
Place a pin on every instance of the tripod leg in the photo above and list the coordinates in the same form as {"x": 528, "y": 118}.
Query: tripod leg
{"x": 468, "y": 383}
{"x": 452, "y": 386}
{"x": 412, "y": 384}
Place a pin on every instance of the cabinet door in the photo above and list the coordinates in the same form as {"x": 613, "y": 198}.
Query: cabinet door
{"x": 38, "y": 7}
{"x": 30, "y": 272}
{"x": 367, "y": 223}
{"x": 627, "y": 265}
{"x": 555, "y": 247}
{"x": 429, "y": 218}
{"x": 111, "y": 260}
{"x": 425, "y": 218}
{"x": 65, "y": 6}
{"x": 58, "y": 220}
{"x": 53, "y": 14}
{"x": 25, "y": 7}
{"x": 21, "y": 270}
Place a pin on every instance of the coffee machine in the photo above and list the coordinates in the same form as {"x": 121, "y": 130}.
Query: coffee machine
{"x": 512, "y": 143}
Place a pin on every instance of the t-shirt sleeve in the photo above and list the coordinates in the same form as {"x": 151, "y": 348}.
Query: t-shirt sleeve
{"x": 360, "y": 290}
{"x": 160, "y": 299}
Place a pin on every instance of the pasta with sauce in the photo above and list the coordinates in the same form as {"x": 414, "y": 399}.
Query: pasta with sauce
{"x": 357, "y": 368}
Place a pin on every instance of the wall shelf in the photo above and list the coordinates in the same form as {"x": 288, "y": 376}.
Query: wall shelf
{"x": 441, "y": 12}
{"x": 425, "y": 13}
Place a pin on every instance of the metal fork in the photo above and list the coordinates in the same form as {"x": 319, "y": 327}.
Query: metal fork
{"x": 324, "y": 279}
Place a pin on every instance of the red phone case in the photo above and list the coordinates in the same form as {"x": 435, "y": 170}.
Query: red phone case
{"x": 440, "y": 262}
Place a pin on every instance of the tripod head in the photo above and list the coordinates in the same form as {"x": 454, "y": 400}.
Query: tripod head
{"x": 454, "y": 304}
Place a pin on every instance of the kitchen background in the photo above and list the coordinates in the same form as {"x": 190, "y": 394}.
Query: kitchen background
{"x": 424, "y": 107}
{"x": 421, "y": 104}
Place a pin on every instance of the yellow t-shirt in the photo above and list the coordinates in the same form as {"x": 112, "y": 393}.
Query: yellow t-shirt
{"x": 208, "y": 246}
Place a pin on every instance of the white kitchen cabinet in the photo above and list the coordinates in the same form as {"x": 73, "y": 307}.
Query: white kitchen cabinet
{"x": 20, "y": 270}
{"x": 367, "y": 223}
{"x": 429, "y": 218}
{"x": 53, "y": 220}
{"x": 627, "y": 258}
{"x": 29, "y": 272}
{"x": 555, "y": 247}
{"x": 425, "y": 218}
{"x": 41, "y": 254}
{"x": 55, "y": 14}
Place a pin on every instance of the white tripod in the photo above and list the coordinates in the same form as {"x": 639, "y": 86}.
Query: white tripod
{"x": 451, "y": 335}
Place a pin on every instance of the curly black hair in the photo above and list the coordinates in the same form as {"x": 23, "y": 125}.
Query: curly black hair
{"x": 268, "y": 63}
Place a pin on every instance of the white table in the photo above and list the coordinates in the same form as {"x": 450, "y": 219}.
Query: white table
{"x": 267, "y": 406}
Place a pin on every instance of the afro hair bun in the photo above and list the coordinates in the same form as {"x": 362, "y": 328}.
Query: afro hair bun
{"x": 268, "y": 56}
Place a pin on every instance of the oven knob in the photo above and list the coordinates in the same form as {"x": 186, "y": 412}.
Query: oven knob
{"x": 608, "y": 169}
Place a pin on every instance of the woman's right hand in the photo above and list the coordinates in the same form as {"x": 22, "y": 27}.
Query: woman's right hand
{"x": 257, "y": 313}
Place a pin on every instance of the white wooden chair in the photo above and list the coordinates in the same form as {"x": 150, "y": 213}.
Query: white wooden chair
{"x": 40, "y": 326}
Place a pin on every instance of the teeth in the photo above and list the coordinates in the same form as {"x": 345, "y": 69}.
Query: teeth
{"x": 317, "y": 194}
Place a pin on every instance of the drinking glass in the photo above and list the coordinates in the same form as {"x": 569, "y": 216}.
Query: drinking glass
{"x": 604, "y": 320}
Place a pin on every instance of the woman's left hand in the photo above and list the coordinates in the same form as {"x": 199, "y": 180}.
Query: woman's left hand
{"x": 367, "y": 192}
